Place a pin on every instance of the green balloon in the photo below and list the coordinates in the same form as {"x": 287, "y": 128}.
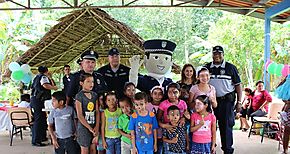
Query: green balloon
{"x": 17, "y": 75}
{"x": 272, "y": 67}
{"x": 278, "y": 70}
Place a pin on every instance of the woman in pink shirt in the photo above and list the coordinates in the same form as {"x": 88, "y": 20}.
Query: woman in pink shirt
{"x": 261, "y": 99}
{"x": 203, "y": 126}
{"x": 202, "y": 88}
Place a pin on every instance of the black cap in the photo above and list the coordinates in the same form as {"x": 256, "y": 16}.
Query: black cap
{"x": 218, "y": 49}
{"x": 42, "y": 69}
{"x": 159, "y": 46}
{"x": 90, "y": 54}
{"x": 113, "y": 51}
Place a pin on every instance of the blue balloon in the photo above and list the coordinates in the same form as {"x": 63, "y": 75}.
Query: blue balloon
{"x": 26, "y": 78}
{"x": 14, "y": 66}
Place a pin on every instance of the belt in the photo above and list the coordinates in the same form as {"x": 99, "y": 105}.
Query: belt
{"x": 226, "y": 96}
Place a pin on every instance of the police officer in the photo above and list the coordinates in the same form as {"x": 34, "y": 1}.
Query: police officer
{"x": 88, "y": 64}
{"x": 41, "y": 91}
{"x": 157, "y": 61}
{"x": 66, "y": 77}
{"x": 226, "y": 80}
{"x": 115, "y": 74}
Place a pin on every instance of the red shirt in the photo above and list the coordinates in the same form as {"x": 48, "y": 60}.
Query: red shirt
{"x": 260, "y": 99}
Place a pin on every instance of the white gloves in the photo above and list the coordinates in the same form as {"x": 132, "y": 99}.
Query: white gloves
{"x": 135, "y": 63}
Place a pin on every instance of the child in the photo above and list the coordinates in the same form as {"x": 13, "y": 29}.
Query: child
{"x": 143, "y": 125}
{"x": 283, "y": 92}
{"x": 25, "y": 101}
{"x": 203, "y": 126}
{"x": 178, "y": 139}
{"x": 129, "y": 90}
{"x": 110, "y": 134}
{"x": 157, "y": 96}
{"x": 62, "y": 119}
{"x": 123, "y": 124}
{"x": 245, "y": 106}
{"x": 173, "y": 99}
{"x": 88, "y": 115}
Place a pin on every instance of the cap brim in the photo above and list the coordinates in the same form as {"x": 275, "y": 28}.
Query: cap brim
{"x": 218, "y": 51}
{"x": 90, "y": 57}
{"x": 112, "y": 54}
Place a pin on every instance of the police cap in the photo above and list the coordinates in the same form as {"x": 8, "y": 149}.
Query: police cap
{"x": 90, "y": 54}
{"x": 113, "y": 51}
{"x": 218, "y": 49}
{"x": 159, "y": 46}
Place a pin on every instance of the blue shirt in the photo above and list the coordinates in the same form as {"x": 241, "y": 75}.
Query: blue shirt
{"x": 143, "y": 127}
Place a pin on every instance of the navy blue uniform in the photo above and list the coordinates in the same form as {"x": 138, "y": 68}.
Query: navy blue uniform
{"x": 100, "y": 86}
{"x": 146, "y": 83}
{"x": 224, "y": 78}
{"x": 66, "y": 81}
{"x": 115, "y": 80}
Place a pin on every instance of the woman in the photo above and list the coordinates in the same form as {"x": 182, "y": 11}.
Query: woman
{"x": 202, "y": 88}
{"x": 261, "y": 99}
{"x": 188, "y": 79}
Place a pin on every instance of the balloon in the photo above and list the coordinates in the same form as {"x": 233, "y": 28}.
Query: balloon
{"x": 13, "y": 66}
{"x": 17, "y": 75}
{"x": 268, "y": 63}
{"x": 26, "y": 78}
{"x": 271, "y": 68}
{"x": 2, "y": 55}
{"x": 25, "y": 68}
{"x": 278, "y": 70}
{"x": 285, "y": 70}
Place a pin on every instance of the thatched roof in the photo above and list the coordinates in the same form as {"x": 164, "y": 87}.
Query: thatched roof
{"x": 81, "y": 30}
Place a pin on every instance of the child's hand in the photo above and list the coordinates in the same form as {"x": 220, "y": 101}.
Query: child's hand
{"x": 128, "y": 135}
{"x": 105, "y": 144}
{"x": 201, "y": 122}
{"x": 213, "y": 150}
{"x": 182, "y": 122}
{"x": 155, "y": 148}
{"x": 55, "y": 144}
{"x": 186, "y": 114}
{"x": 95, "y": 140}
{"x": 175, "y": 139}
{"x": 169, "y": 128}
{"x": 135, "y": 150}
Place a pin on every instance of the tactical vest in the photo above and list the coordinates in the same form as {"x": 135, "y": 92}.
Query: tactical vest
{"x": 38, "y": 90}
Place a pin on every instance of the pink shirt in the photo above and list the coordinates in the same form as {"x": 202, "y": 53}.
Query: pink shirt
{"x": 203, "y": 134}
{"x": 152, "y": 108}
{"x": 166, "y": 104}
{"x": 196, "y": 92}
{"x": 260, "y": 99}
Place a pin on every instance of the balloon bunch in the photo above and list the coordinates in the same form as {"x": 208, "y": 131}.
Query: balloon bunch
{"x": 277, "y": 69}
{"x": 20, "y": 73}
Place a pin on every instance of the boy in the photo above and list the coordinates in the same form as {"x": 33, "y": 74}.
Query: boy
{"x": 25, "y": 101}
{"x": 178, "y": 139}
{"x": 123, "y": 123}
{"x": 62, "y": 118}
{"x": 143, "y": 126}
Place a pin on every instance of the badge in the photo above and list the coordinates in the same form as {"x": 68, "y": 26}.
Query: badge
{"x": 92, "y": 52}
{"x": 163, "y": 44}
{"x": 90, "y": 106}
{"x": 98, "y": 81}
{"x": 222, "y": 72}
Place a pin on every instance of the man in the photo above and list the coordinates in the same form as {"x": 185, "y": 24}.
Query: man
{"x": 157, "y": 61}
{"x": 226, "y": 80}
{"x": 88, "y": 64}
{"x": 66, "y": 78}
{"x": 41, "y": 91}
{"x": 115, "y": 74}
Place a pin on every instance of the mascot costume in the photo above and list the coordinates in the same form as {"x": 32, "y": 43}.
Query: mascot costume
{"x": 157, "y": 61}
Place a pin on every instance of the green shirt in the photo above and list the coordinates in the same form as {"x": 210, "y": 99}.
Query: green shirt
{"x": 111, "y": 130}
{"x": 123, "y": 124}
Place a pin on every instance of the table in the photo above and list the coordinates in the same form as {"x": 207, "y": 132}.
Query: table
{"x": 5, "y": 122}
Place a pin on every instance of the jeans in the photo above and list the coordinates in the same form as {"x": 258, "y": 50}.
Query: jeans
{"x": 40, "y": 124}
{"x": 145, "y": 152}
{"x": 175, "y": 153}
{"x": 114, "y": 146}
{"x": 68, "y": 145}
{"x": 159, "y": 146}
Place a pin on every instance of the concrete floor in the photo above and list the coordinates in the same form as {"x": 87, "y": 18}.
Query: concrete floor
{"x": 242, "y": 145}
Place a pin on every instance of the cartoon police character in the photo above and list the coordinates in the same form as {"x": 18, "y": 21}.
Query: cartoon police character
{"x": 157, "y": 61}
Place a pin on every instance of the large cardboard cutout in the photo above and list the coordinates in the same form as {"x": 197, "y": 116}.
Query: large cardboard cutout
{"x": 157, "y": 61}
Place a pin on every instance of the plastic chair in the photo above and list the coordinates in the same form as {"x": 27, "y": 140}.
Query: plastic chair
{"x": 272, "y": 117}
{"x": 20, "y": 118}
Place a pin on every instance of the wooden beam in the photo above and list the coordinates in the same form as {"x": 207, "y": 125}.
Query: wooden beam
{"x": 261, "y": 2}
{"x": 131, "y": 2}
{"x": 17, "y": 3}
{"x": 184, "y": 3}
{"x": 209, "y": 2}
{"x": 83, "y": 3}
{"x": 57, "y": 36}
{"x": 67, "y": 3}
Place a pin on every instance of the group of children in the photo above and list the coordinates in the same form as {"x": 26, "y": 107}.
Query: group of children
{"x": 134, "y": 124}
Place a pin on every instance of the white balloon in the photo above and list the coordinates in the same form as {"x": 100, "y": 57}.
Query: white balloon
{"x": 25, "y": 68}
{"x": 14, "y": 66}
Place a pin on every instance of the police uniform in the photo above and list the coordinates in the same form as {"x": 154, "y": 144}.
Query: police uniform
{"x": 115, "y": 79}
{"x": 66, "y": 81}
{"x": 74, "y": 87}
{"x": 224, "y": 78}
{"x": 146, "y": 83}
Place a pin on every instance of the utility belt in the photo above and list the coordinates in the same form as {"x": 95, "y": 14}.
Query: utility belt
{"x": 228, "y": 96}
